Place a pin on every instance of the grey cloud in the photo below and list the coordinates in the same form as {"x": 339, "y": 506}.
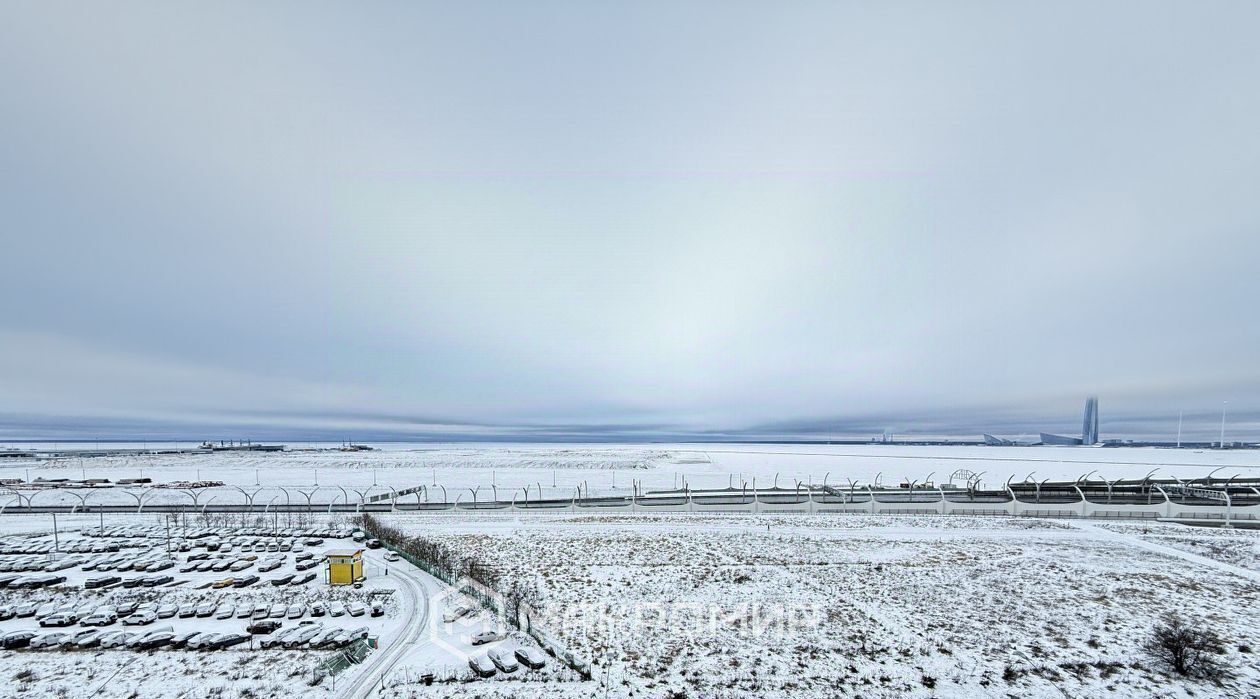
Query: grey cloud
{"x": 628, "y": 220}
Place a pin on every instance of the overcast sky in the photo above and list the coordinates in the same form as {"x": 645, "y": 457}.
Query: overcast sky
{"x": 629, "y": 218}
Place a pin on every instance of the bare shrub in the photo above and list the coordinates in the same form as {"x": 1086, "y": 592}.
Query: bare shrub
{"x": 1188, "y": 648}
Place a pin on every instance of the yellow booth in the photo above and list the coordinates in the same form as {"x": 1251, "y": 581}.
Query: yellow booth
{"x": 344, "y": 566}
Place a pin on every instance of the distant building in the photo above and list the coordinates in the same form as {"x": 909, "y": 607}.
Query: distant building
{"x": 1089, "y": 429}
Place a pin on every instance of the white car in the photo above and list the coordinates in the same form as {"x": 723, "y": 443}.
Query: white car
{"x": 167, "y": 611}
{"x": 337, "y": 609}
{"x": 356, "y": 608}
{"x": 485, "y": 637}
{"x": 141, "y": 617}
{"x": 226, "y": 611}
{"x": 49, "y": 640}
{"x": 202, "y": 640}
{"x": 391, "y": 557}
{"x": 296, "y": 611}
{"x": 58, "y": 619}
{"x": 114, "y": 639}
{"x": 99, "y": 619}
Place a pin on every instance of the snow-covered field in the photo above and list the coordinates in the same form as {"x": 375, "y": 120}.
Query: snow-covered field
{"x": 613, "y": 467}
{"x": 755, "y": 606}
{"x": 726, "y": 605}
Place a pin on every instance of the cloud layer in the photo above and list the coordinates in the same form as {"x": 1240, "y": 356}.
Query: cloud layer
{"x": 637, "y": 220}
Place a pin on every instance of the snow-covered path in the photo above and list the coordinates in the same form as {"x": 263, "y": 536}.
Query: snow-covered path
{"x": 381, "y": 663}
{"x": 1141, "y": 543}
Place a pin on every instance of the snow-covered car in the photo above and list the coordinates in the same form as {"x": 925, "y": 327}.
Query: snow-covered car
{"x": 503, "y": 659}
{"x": 479, "y": 639}
{"x": 86, "y": 639}
{"x": 202, "y": 641}
{"x": 50, "y": 639}
{"x": 482, "y": 666}
{"x": 457, "y": 613}
{"x": 531, "y": 658}
{"x": 228, "y": 640}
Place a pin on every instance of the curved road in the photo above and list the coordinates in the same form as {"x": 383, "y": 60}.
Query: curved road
{"x": 382, "y": 662}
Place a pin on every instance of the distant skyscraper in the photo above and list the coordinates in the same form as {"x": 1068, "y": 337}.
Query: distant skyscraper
{"x": 1089, "y": 431}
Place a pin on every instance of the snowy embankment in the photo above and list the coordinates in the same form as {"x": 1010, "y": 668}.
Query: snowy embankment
{"x": 756, "y": 606}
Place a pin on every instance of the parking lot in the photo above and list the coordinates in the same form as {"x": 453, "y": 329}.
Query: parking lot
{"x": 152, "y": 587}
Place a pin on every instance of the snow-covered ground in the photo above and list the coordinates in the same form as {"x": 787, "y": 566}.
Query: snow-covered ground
{"x": 603, "y": 468}
{"x": 756, "y": 606}
{"x": 720, "y": 605}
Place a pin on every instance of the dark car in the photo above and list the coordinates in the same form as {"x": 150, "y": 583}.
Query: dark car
{"x": 155, "y": 580}
{"x": 374, "y": 543}
{"x": 18, "y": 639}
{"x": 101, "y": 581}
{"x": 306, "y": 565}
{"x": 264, "y": 627}
{"x": 228, "y": 640}
{"x": 302, "y": 580}
{"x": 157, "y": 641}
{"x": 245, "y": 581}
{"x": 133, "y": 582}
{"x": 282, "y": 580}
{"x": 126, "y": 608}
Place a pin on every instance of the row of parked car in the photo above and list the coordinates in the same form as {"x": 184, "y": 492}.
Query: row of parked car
{"x": 14, "y": 547}
{"x": 307, "y": 634}
{"x": 135, "y": 640}
{"x": 132, "y": 614}
{"x": 161, "y": 532}
{"x": 507, "y": 661}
